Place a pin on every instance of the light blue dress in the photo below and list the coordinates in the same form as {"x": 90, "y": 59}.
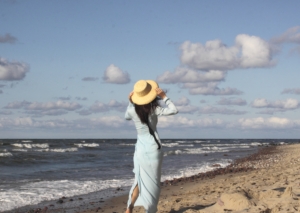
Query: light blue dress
{"x": 147, "y": 157}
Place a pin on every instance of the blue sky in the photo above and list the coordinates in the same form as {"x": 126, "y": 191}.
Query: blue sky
{"x": 231, "y": 67}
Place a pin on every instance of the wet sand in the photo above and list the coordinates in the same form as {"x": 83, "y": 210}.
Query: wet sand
{"x": 265, "y": 182}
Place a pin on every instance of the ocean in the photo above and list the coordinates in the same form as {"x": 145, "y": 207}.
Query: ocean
{"x": 37, "y": 170}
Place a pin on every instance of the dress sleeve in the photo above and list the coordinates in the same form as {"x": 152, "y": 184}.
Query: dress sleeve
{"x": 169, "y": 110}
{"x": 127, "y": 114}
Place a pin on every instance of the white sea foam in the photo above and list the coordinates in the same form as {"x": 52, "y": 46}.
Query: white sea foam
{"x": 173, "y": 152}
{"x": 34, "y": 193}
{"x": 177, "y": 145}
{"x": 170, "y": 144}
{"x": 19, "y": 150}
{"x": 6, "y": 154}
{"x": 256, "y": 144}
{"x": 86, "y": 144}
{"x": 201, "y": 151}
{"x": 197, "y": 151}
{"x": 199, "y": 141}
{"x": 127, "y": 144}
{"x": 189, "y": 171}
{"x": 180, "y": 141}
{"x": 186, "y": 145}
{"x": 57, "y": 150}
{"x": 30, "y": 146}
{"x": 26, "y": 141}
{"x": 226, "y": 144}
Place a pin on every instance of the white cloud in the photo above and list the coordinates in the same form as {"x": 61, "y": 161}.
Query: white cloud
{"x": 198, "y": 82}
{"x": 64, "y": 98}
{"x": 89, "y": 79}
{"x": 255, "y": 52}
{"x": 207, "y": 64}
{"x": 183, "y": 106}
{"x": 12, "y": 71}
{"x": 99, "y": 107}
{"x": 220, "y": 110}
{"x": 51, "y": 112}
{"x": 183, "y": 101}
{"x": 110, "y": 121}
{"x": 270, "y": 111}
{"x": 81, "y": 98}
{"x": 213, "y": 55}
{"x": 17, "y": 105}
{"x": 70, "y": 106}
{"x": 115, "y": 75}
{"x": 63, "y": 124}
{"x": 184, "y": 75}
{"x": 112, "y": 105}
{"x": 38, "y": 109}
{"x": 232, "y": 101}
{"x": 248, "y": 52}
{"x": 292, "y": 35}
{"x": 16, "y": 122}
{"x": 268, "y": 123}
{"x": 183, "y": 122}
{"x": 5, "y": 112}
{"x": 187, "y": 109}
{"x": 287, "y": 104}
{"x": 7, "y": 38}
{"x": 291, "y": 91}
{"x": 211, "y": 89}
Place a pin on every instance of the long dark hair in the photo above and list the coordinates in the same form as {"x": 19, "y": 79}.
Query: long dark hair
{"x": 143, "y": 111}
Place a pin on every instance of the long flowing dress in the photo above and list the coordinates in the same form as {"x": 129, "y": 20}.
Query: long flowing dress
{"x": 147, "y": 157}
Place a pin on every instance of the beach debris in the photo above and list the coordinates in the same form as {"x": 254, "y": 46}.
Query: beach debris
{"x": 178, "y": 200}
{"x": 60, "y": 201}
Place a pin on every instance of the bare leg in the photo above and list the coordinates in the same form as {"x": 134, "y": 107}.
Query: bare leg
{"x": 134, "y": 196}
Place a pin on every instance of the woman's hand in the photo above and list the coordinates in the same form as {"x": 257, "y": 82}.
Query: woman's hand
{"x": 129, "y": 96}
{"x": 160, "y": 93}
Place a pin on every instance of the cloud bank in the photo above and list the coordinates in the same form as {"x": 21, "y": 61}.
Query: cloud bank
{"x": 204, "y": 66}
{"x": 232, "y": 101}
{"x": 287, "y": 104}
{"x": 295, "y": 91}
{"x": 248, "y": 52}
{"x": 38, "y": 109}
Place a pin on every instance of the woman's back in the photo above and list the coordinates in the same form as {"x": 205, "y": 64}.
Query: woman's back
{"x": 159, "y": 111}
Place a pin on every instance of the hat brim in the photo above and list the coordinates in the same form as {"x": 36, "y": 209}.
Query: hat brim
{"x": 147, "y": 98}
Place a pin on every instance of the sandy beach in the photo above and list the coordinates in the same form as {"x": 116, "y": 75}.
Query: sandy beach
{"x": 265, "y": 182}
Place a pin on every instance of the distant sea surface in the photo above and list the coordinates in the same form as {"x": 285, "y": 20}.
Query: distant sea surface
{"x": 33, "y": 171}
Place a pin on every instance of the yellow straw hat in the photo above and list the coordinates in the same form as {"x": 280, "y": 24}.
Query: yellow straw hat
{"x": 144, "y": 92}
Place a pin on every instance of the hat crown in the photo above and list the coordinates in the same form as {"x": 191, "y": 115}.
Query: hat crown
{"x": 142, "y": 88}
{"x": 144, "y": 92}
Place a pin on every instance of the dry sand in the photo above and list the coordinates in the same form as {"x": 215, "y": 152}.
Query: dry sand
{"x": 273, "y": 186}
{"x": 266, "y": 182}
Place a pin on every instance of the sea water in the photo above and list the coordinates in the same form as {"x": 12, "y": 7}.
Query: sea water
{"x": 37, "y": 170}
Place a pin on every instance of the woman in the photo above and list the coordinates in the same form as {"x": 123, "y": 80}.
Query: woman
{"x": 143, "y": 109}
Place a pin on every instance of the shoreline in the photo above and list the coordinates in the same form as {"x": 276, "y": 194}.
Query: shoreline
{"x": 93, "y": 203}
